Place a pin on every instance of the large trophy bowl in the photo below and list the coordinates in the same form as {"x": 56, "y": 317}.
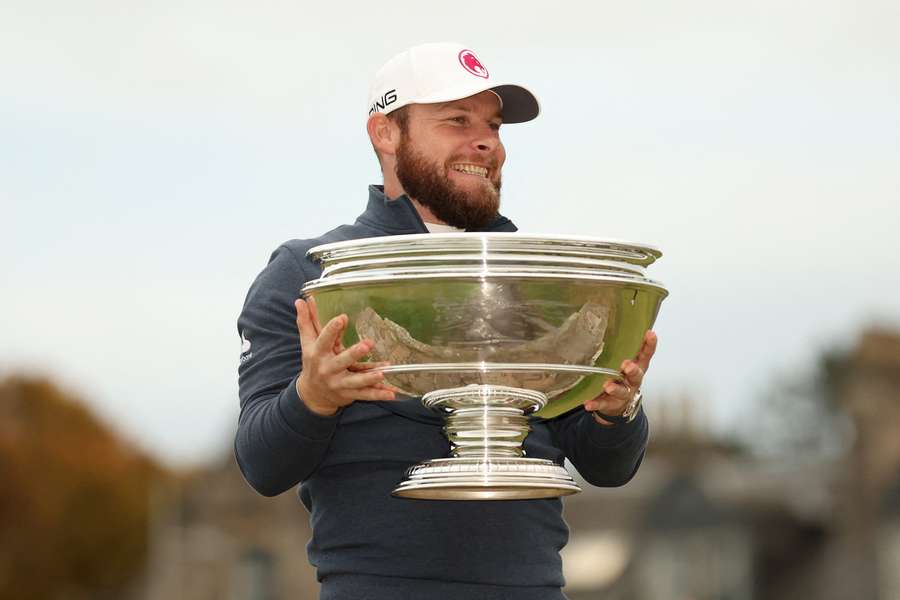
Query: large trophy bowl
{"x": 492, "y": 330}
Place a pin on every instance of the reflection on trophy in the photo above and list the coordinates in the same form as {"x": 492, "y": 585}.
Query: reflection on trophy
{"x": 491, "y": 330}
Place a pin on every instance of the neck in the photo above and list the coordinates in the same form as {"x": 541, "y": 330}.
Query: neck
{"x": 393, "y": 189}
{"x": 425, "y": 213}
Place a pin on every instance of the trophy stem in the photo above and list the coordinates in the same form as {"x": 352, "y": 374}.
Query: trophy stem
{"x": 486, "y": 426}
{"x": 489, "y": 431}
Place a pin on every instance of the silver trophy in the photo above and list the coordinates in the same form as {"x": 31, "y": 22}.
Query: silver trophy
{"x": 492, "y": 330}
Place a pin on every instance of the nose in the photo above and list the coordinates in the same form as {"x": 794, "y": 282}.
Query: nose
{"x": 486, "y": 139}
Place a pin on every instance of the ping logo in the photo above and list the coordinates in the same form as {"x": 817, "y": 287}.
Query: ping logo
{"x": 386, "y": 100}
{"x": 471, "y": 64}
{"x": 246, "y": 354}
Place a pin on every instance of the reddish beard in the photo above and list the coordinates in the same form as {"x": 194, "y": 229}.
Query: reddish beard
{"x": 429, "y": 185}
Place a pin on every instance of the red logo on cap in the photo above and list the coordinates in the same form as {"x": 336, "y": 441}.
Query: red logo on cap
{"x": 471, "y": 64}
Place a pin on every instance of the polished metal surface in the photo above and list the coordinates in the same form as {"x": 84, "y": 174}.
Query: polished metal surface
{"x": 480, "y": 314}
{"x": 486, "y": 425}
{"x": 496, "y": 479}
{"x": 470, "y": 255}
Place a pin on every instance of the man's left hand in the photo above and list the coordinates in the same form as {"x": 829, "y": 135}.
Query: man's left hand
{"x": 617, "y": 394}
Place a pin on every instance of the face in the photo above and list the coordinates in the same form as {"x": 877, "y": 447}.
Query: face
{"x": 450, "y": 158}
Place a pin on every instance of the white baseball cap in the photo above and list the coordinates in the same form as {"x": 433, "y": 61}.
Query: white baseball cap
{"x": 440, "y": 73}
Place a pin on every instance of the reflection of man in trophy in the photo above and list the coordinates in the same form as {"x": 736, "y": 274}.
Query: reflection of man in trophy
{"x": 321, "y": 418}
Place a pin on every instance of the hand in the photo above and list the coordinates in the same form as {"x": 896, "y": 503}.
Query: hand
{"x": 619, "y": 393}
{"x": 332, "y": 377}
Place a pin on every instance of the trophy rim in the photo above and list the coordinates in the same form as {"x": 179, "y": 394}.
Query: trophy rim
{"x": 370, "y": 278}
{"x": 470, "y": 239}
{"x": 479, "y": 255}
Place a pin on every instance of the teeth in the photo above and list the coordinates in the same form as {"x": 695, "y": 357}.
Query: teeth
{"x": 471, "y": 170}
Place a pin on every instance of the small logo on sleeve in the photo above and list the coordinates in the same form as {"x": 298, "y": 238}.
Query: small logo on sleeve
{"x": 471, "y": 64}
{"x": 246, "y": 354}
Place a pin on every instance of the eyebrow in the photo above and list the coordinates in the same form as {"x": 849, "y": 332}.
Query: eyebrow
{"x": 449, "y": 105}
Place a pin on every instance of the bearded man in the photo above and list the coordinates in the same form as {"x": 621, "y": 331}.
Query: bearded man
{"x": 312, "y": 414}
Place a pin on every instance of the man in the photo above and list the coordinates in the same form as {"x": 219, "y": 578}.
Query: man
{"x": 312, "y": 414}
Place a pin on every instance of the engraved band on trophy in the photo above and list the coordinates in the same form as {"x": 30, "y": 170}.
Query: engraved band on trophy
{"x": 491, "y": 329}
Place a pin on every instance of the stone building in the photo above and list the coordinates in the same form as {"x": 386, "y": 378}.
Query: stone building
{"x": 216, "y": 539}
{"x": 866, "y": 383}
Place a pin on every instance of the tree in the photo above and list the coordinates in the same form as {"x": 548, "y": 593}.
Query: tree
{"x": 798, "y": 413}
{"x": 74, "y": 504}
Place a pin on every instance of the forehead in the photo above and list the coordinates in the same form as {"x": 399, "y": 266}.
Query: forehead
{"x": 486, "y": 104}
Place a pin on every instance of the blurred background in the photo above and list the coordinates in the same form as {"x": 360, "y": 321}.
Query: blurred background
{"x": 153, "y": 154}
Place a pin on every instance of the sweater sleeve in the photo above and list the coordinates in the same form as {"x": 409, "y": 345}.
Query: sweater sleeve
{"x": 603, "y": 456}
{"x": 279, "y": 442}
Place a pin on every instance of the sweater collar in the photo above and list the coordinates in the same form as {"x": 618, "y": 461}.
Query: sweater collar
{"x": 399, "y": 216}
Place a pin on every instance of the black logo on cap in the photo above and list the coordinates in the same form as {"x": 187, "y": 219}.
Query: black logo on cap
{"x": 382, "y": 103}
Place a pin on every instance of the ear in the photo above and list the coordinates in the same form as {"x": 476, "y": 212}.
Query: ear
{"x": 384, "y": 133}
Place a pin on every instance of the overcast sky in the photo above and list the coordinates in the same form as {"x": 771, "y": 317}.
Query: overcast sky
{"x": 153, "y": 154}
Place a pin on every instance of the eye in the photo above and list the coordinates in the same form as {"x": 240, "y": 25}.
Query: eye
{"x": 461, "y": 120}
{"x": 495, "y": 126}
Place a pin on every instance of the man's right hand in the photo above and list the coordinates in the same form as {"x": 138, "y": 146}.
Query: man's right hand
{"x": 331, "y": 377}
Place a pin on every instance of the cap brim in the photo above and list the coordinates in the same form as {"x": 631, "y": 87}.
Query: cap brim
{"x": 519, "y": 104}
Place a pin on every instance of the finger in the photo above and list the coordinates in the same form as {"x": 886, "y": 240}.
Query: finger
{"x": 607, "y": 405}
{"x": 314, "y": 314}
{"x": 611, "y": 408}
{"x": 598, "y": 403}
{"x": 373, "y": 393}
{"x": 618, "y": 390}
{"x": 600, "y": 420}
{"x": 648, "y": 349}
{"x": 387, "y": 386}
{"x": 367, "y": 366}
{"x": 308, "y": 333}
{"x": 603, "y": 422}
{"x": 632, "y": 374}
{"x": 351, "y": 355}
{"x": 356, "y": 381}
{"x": 314, "y": 311}
{"x": 332, "y": 332}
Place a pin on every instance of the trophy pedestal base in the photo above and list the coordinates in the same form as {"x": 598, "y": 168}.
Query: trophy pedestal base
{"x": 494, "y": 478}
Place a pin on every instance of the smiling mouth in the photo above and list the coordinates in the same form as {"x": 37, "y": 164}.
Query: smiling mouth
{"x": 471, "y": 169}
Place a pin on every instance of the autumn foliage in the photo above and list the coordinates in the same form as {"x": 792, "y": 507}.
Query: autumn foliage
{"x": 74, "y": 498}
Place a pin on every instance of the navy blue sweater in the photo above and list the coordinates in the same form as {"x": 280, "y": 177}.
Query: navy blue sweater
{"x": 366, "y": 543}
